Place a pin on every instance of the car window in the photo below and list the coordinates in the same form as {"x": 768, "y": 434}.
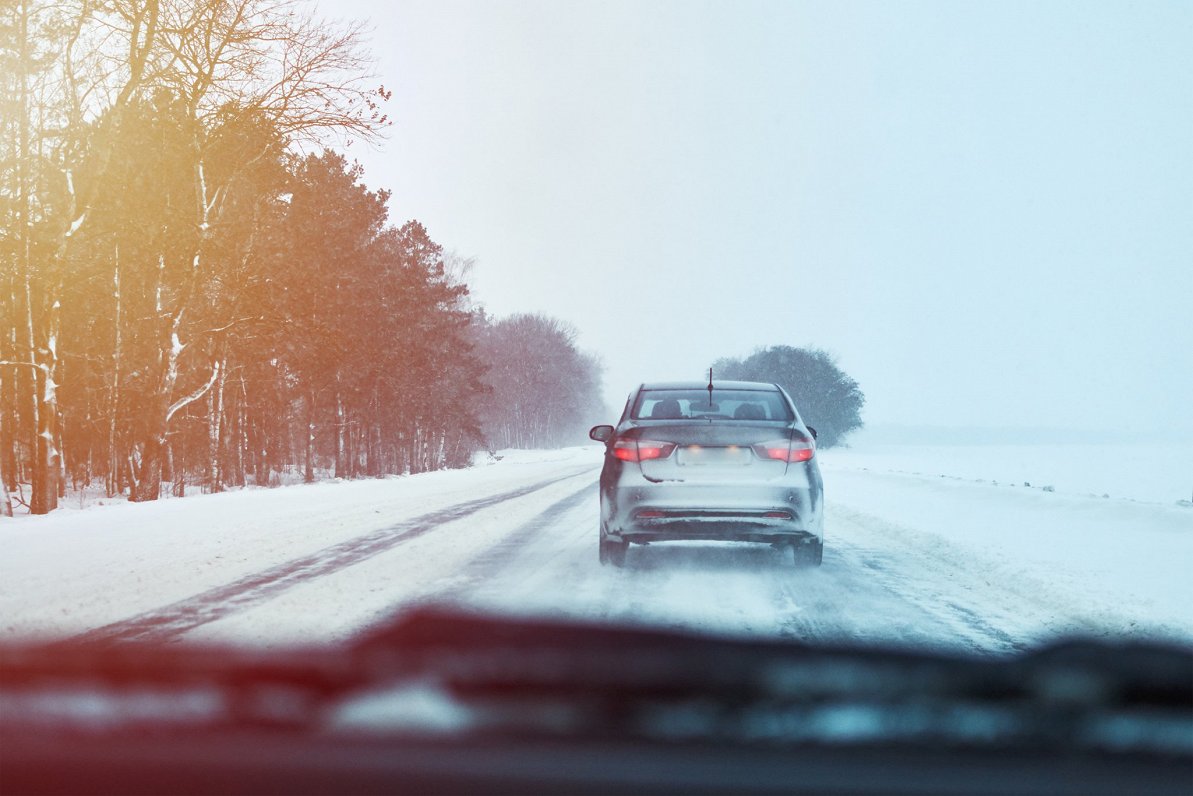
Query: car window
{"x": 744, "y": 405}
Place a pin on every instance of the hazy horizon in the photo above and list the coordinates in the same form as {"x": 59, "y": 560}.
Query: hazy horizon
{"x": 984, "y": 211}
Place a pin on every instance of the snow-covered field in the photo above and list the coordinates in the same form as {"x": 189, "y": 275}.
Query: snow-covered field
{"x": 1156, "y": 472}
{"x": 912, "y": 558}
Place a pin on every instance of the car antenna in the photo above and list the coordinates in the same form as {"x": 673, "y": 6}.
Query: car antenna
{"x": 710, "y": 390}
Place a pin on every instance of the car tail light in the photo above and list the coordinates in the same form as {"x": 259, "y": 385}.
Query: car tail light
{"x": 630, "y": 450}
{"x": 787, "y": 450}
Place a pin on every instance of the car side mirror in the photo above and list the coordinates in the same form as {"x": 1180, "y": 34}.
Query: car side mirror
{"x": 812, "y": 431}
{"x": 600, "y": 433}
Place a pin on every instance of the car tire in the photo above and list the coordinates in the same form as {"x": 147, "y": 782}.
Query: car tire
{"x": 809, "y": 554}
{"x": 613, "y": 553}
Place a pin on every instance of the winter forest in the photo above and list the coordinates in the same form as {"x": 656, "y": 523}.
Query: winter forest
{"x": 198, "y": 290}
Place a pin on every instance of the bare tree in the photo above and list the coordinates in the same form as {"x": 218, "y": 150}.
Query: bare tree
{"x": 57, "y": 80}
{"x": 161, "y": 236}
{"x": 545, "y": 390}
{"x": 241, "y": 62}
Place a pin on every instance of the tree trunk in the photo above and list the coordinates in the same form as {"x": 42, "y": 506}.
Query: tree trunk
{"x": 38, "y": 503}
{"x": 241, "y": 438}
{"x": 341, "y": 464}
{"x": 309, "y": 460}
{"x": 179, "y": 489}
{"x": 8, "y": 406}
{"x": 114, "y": 486}
{"x": 159, "y": 409}
{"x": 147, "y": 480}
{"x": 38, "y": 475}
{"x": 215, "y": 414}
{"x": 57, "y": 371}
{"x": 5, "y": 502}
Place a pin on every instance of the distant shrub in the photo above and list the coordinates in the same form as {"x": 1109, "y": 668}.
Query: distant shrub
{"x": 827, "y": 398}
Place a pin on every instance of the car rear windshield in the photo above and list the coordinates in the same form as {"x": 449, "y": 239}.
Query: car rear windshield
{"x": 726, "y": 405}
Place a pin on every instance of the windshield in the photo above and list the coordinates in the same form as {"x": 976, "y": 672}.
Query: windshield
{"x": 313, "y": 315}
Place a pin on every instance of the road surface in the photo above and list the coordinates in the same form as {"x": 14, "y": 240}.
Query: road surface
{"x": 325, "y": 562}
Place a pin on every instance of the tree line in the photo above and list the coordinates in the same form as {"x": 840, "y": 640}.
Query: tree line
{"x": 196, "y": 290}
{"x": 545, "y": 391}
{"x": 827, "y": 398}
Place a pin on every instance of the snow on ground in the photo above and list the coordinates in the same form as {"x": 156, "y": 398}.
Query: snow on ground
{"x": 1134, "y": 558}
{"x": 71, "y": 571}
{"x": 911, "y": 559}
{"x": 1156, "y": 472}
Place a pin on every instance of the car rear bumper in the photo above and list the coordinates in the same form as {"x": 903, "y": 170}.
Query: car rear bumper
{"x": 642, "y": 511}
{"x": 728, "y": 529}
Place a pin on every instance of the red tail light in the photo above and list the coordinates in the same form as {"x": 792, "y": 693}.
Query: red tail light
{"x": 790, "y": 451}
{"x": 629, "y": 450}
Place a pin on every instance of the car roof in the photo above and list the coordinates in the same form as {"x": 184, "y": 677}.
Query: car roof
{"x": 703, "y": 385}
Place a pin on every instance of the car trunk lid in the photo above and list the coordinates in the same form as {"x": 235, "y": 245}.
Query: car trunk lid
{"x": 707, "y": 452}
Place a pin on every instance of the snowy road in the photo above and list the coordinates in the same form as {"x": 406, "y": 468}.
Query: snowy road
{"x": 909, "y": 561}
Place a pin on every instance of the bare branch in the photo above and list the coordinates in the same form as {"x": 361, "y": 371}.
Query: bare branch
{"x": 194, "y": 396}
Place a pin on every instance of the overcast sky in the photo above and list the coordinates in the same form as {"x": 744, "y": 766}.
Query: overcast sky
{"x": 985, "y": 210}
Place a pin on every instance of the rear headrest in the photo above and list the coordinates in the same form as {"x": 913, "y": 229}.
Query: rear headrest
{"x": 749, "y": 412}
{"x": 666, "y": 409}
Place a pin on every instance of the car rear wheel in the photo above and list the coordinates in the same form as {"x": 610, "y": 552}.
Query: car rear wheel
{"x": 613, "y": 552}
{"x": 808, "y": 554}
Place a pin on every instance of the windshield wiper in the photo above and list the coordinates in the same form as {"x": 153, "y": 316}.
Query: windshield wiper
{"x": 563, "y": 678}
{"x": 619, "y": 681}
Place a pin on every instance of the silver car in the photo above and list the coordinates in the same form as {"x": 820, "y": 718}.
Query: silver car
{"x": 726, "y": 460}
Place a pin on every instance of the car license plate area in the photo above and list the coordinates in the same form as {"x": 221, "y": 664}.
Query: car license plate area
{"x": 701, "y": 456}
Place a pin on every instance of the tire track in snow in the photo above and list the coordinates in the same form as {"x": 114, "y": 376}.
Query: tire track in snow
{"x": 549, "y": 567}
{"x": 903, "y": 593}
{"x": 974, "y": 607}
{"x": 484, "y": 567}
{"x": 171, "y": 621}
{"x": 851, "y": 599}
